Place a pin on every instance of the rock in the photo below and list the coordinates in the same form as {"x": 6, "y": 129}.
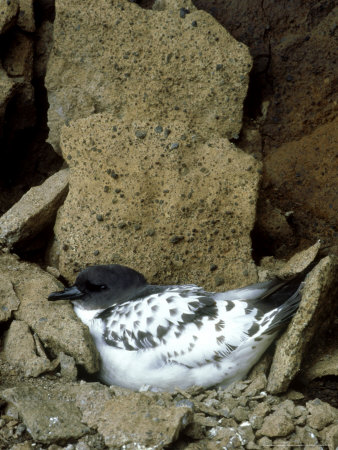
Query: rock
{"x": 307, "y": 435}
{"x": 321, "y": 414}
{"x": 20, "y": 351}
{"x": 26, "y": 19}
{"x": 135, "y": 420}
{"x": 18, "y": 57}
{"x": 329, "y": 436}
{"x": 257, "y": 385}
{"x": 275, "y": 228}
{"x": 305, "y": 175}
{"x": 200, "y": 191}
{"x": 68, "y": 367}
{"x": 195, "y": 75}
{"x": 322, "y": 364}
{"x": 47, "y": 419}
{"x": 8, "y": 299}
{"x": 8, "y": 14}
{"x": 318, "y": 297}
{"x": 277, "y": 424}
{"x": 34, "y": 210}
{"x": 55, "y": 324}
{"x": 7, "y": 90}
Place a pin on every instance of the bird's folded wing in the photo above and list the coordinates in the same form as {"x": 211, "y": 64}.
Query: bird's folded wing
{"x": 185, "y": 325}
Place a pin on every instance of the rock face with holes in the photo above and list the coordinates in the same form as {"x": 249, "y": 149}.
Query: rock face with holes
{"x": 158, "y": 199}
{"x": 172, "y": 63}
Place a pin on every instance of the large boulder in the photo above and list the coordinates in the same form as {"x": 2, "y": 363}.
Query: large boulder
{"x": 153, "y": 195}
{"x": 175, "y": 63}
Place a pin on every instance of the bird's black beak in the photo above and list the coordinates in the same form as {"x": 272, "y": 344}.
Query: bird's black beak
{"x": 67, "y": 294}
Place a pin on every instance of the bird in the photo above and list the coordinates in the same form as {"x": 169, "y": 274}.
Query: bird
{"x": 164, "y": 337}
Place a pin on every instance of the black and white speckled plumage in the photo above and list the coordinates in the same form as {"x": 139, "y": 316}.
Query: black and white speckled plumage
{"x": 177, "y": 336}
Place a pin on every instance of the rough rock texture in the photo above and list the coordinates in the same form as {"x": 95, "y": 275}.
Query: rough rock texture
{"x": 47, "y": 419}
{"x": 7, "y": 89}
{"x": 172, "y": 207}
{"x": 118, "y": 57}
{"x": 20, "y": 350}
{"x": 292, "y": 93}
{"x": 131, "y": 420}
{"x": 299, "y": 172}
{"x": 34, "y": 210}
{"x": 8, "y": 299}
{"x": 8, "y": 14}
{"x": 18, "y": 58}
{"x": 318, "y": 297}
{"x": 191, "y": 419}
{"x": 56, "y": 325}
{"x": 26, "y": 20}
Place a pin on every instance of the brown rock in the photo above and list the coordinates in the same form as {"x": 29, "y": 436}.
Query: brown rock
{"x": 8, "y": 299}
{"x": 47, "y": 418}
{"x": 26, "y": 19}
{"x": 318, "y": 297}
{"x": 321, "y": 414}
{"x": 8, "y": 14}
{"x": 329, "y": 436}
{"x": 198, "y": 199}
{"x": 55, "y": 324}
{"x": 305, "y": 175}
{"x": 20, "y": 351}
{"x": 18, "y": 58}
{"x": 276, "y": 424}
{"x": 34, "y": 210}
{"x": 7, "y": 89}
{"x": 138, "y": 419}
{"x": 148, "y": 63}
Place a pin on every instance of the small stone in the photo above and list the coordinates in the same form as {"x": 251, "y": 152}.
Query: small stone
{"x": 264, "y": 442}
{"x": 174, "y": 145}
{"x": 277, "y": 424}
{"x": 307, "y": 435}
{"x": 176, "y": 239}
{"x": 158, "y": 129}
{"x": 140, "y": 134}
{"x": 99, "y": 217}
{"x": 219, "y": 280}
{"x": 184, "y": 12}
{"x": 194, "y": 23}
{"x": 329, "y": 436}
{"x": 240, "y": 414}
{"x": 321, "y": 414}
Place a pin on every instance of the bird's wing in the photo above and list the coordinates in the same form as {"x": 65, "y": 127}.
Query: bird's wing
{"x": 184, "y": 324}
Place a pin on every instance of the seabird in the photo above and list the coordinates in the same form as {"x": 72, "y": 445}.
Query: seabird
{"x": 173, "y": 336}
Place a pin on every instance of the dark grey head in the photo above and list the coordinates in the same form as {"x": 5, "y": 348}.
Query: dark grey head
{"x": 99, "y": 287}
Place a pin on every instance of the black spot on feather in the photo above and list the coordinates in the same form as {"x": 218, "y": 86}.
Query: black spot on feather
{"x": 150, "y": 320}
{"x": 220, "y": 340}
{"x": 219, "y": 325}
{"x": 253, "y": 329}
{"x": 154, "y": 308}
{"x": 229, "y": 305}
{"x": 173, "y": 311}
{"x": 161, "y": 331}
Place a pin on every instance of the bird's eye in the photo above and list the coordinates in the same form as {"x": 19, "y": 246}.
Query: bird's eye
{"x": 95, "y": 287}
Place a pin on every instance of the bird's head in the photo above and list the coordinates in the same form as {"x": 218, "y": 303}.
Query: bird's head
{"x": 99, "y": 287}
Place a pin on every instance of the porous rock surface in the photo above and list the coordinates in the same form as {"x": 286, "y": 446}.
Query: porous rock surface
{"x": 120, "y": 58}
{"x": 170, "y": 205}
{"x": 55, "y": 325}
